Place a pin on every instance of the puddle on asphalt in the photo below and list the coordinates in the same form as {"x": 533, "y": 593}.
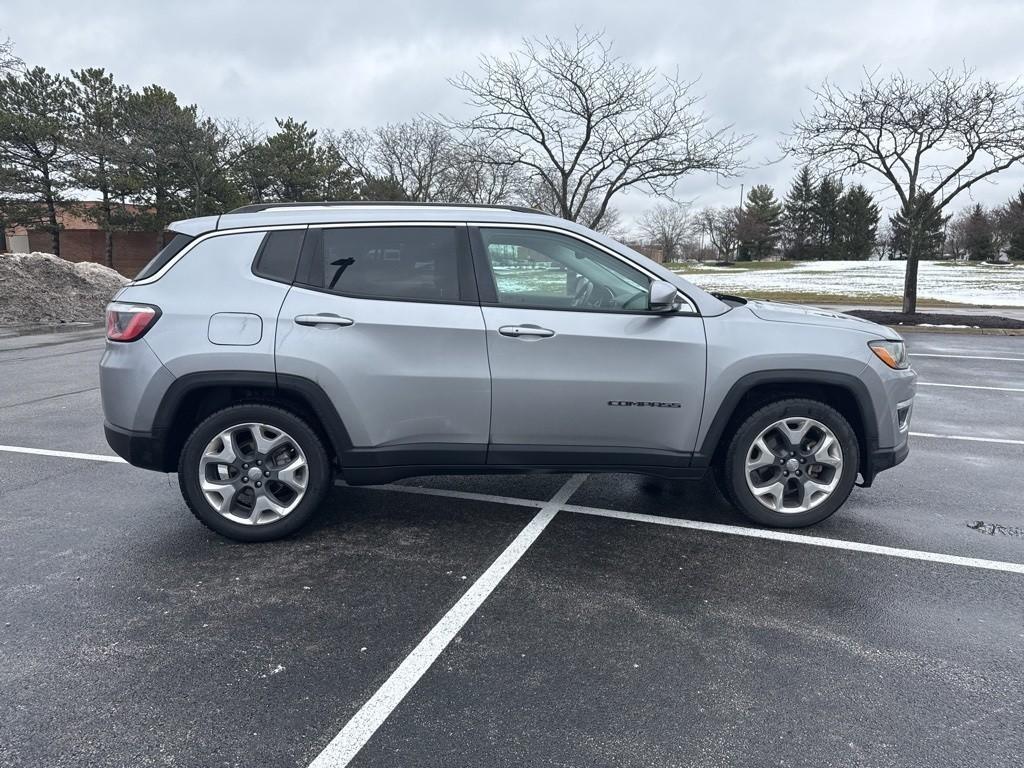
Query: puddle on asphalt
{"x": 996, "y": 529}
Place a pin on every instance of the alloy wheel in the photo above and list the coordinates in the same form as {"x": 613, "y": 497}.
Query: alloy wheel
{"x": 253, "y": 473}
{"x": 793, "y": 465}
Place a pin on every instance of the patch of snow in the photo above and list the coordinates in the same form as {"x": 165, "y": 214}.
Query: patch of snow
{"x": 942, "y": 281}
{"x": 42, "y": 288}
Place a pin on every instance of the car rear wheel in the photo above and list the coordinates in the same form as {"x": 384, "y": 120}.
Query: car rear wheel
{"x": 253, "y": 472}
{"x": 791, "y": 463}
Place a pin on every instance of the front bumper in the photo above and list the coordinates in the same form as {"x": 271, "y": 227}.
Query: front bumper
{"x": 881, "y": 459}
{"x": 140, "y": 449}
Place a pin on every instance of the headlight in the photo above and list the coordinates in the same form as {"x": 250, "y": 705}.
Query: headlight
{"x": 892, "y": 353}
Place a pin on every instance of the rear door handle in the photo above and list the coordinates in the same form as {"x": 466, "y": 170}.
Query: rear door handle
{"x": 533, "y": 331}
{"x": 324, "y": 319}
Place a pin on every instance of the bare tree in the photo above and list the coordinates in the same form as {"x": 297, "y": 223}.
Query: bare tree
{"x": 589, "y": 125}
{"x": 484, "y": 175}
{"x": 936, "y": 138}
{"x": 956, "y": 235}
{"x": 416, "y": 156}
{"x": 667, "y": 226}
{"x": 721, "y": 225}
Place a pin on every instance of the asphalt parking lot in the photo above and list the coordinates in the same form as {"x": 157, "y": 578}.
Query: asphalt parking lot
{"x": 512, "y": 621}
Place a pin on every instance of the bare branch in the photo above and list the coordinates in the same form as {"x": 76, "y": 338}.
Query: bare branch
{"x": 588, "y": 125}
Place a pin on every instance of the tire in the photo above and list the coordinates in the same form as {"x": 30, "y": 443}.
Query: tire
{"x": 239, "y": 448}
{"x": 816, "y": 472}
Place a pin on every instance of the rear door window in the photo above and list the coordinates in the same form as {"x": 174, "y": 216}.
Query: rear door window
{"x": 415, "y": 263}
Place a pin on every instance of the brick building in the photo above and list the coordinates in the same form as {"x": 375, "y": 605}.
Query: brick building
{"x": 652, "y": 252}
{"x": 81, "y": 239}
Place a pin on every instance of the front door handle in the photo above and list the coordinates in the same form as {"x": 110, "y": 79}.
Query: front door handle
{"x": 533, "y": 331}
{"x": 324, "y": 319}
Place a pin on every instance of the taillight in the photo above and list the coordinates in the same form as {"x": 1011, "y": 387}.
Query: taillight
{"x": 128, "y": 322}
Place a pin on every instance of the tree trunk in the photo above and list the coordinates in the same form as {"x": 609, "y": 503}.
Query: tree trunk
{"x": 910, "y": 280}
{"x": 51, "y": 210}
{"x": 108, "y": 233}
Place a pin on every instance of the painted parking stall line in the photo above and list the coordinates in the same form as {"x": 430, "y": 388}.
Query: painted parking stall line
{"x": 346, "y": 745}
{"x": 467, "y": 495}
{"x": 969, "y": 386}
{"x": 62, "y": 454}
{"x": 796, "y": 538}
{"x": 969, "y": 438}
{"x": 968, "y": 357}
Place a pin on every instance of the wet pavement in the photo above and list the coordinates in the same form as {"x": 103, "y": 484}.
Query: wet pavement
{"x": 132, "y": 636}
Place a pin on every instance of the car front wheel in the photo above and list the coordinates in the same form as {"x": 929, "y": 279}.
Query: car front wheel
{"x": 792, "y": 463}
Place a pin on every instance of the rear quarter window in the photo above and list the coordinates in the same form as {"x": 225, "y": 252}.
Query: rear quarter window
{"x": 278, "y": 257}
{"x": 164, "y": 255}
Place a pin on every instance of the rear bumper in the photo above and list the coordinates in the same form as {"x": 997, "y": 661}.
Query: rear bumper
{"x": 140, "y": 449}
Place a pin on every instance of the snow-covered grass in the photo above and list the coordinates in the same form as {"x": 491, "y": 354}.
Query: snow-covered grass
{"x": 976, "y": 284}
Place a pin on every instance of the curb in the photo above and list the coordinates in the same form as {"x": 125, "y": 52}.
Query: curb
{"x": 961, "y": 331}
{"x": 16, "y": 330}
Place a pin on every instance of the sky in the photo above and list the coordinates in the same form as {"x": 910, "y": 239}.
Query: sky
{"x": 347, "y": 64}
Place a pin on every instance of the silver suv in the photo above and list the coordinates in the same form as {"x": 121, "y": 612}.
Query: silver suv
{"x": 264, "y": 352}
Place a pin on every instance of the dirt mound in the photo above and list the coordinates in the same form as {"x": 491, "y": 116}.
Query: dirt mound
{"x": 939, "y": 319}
{"x": 42, "y": 288}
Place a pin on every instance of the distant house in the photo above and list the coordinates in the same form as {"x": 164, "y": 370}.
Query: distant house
{"x": 81, "y": 239}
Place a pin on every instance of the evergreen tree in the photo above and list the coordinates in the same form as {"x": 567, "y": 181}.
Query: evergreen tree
{"x": 252, "y": 175}
{"x": 760, "y": 224}
{"x": 1013, "y": 226}
{"x": 158, "y": 128}
{"x": 292, "y": 155}
{"x": 827, "y": 217}
{"x": 336, "y": 182}
{"x": 382, "y": 188}
{"x": 858, "y": 223}
{"x": 35, "y": 148}
{"x": 919, "y": 228}
{"x": 798, "y": 217}
{"x": 99, "y": 149}
{"x": 979, "y": 240}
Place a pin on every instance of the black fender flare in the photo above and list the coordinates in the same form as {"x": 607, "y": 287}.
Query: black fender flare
{"x": 297, "y": 387}
{"x": 848, "y": 382}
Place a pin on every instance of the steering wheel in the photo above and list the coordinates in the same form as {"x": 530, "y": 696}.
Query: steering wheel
{"x": 583, "y": 291}
{"x": 604, "y": 298}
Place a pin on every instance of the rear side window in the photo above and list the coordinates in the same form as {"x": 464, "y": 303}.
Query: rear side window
{"x": 278, "y": 257}
{"x": 411, "y": 263}
{"x": 164, "y": 255}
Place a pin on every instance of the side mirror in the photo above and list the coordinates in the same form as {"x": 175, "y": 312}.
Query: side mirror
{"x": 662, "y": 297}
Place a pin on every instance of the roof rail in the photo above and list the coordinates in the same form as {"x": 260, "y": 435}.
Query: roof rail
{"x": 257, "y": 207}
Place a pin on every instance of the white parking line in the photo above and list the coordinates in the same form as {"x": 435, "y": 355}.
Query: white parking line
{"x": 796, "y": 538}
{"x": 968, "y": 357}
{"x": 969, "y": 386}
{"x": 469, "y": 496}
{"x": 1002, "y": 440}
{"x": 63, "y": 454}
{"x": 374, "y": 712}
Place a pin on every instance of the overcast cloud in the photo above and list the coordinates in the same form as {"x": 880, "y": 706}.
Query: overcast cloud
{"x": 342, "y": 65}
